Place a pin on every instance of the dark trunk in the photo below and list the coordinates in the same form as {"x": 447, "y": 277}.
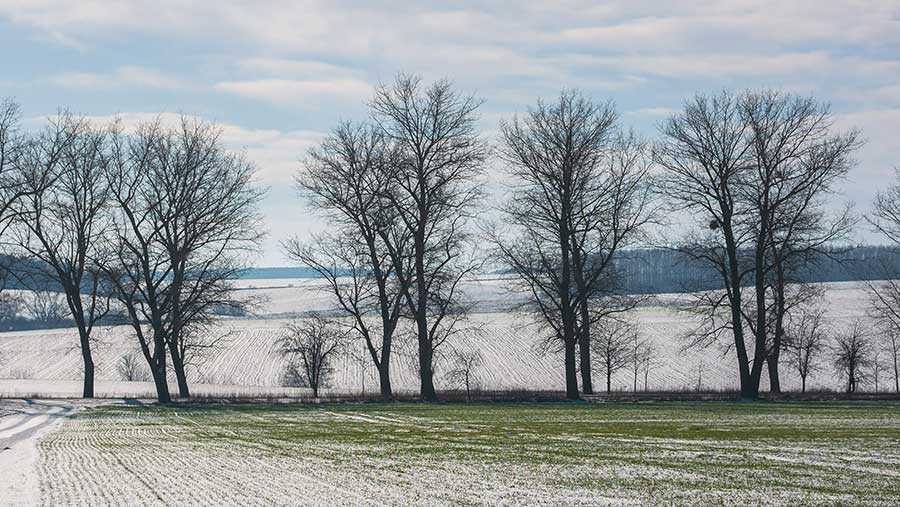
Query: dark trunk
{"x": 571, "y": 374}
{"x": 772, "y": 364}
{"x": 584, "y": 356}
{"x": 733, "y": 285}
{"x": 159, "y": 377}
{"x": 88, "y": 361}
{"x": 180, "y": 375}
{"x": 384, "y": 378}
{"x": 608, "y": 381}
{"x": 803, "y": 384}
{"x": 584, "y": 330}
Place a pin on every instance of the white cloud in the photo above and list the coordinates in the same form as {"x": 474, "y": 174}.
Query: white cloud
{"x": 304, "y": 94}
{"x": 275, "y": 153}
{"x": 122, "y": 77}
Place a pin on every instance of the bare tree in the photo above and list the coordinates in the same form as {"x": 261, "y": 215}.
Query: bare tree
{"x": 61, "y": 223}
{"x": 613, "y": 343}
{"x": 464, "y": 370}
{"x": 186, "y": 216}
{"x": 13, "y": 145}
{"x": 432, "y": 188}
{"x": 852, "y": 354}
{"x": 891, "y": 345}
{"x": 757, "y": 167}
{"x": 347, "y": 177}
{"x": 704, "y": 155}
{"x": 311, "y": 345}
{"x": 641, "y": 356}
{"x": 579, "y": 196}
{"x": 884, "y": 295}
{"x": 797, "y": 160}
{"x": 46, "y": 307}
{"x": 130, "y": 368}
{"x": 805, "y": 340}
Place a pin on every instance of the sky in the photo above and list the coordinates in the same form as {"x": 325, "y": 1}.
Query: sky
{"x": 278, "y": 75}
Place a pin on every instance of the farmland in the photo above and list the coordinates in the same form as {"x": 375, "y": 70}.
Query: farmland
{"x": 410, "y": 454}
{"x": 247, "y": 362}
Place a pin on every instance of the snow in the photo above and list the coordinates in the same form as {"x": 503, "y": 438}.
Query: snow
{"x": 248, "y": 362}
{"x": 22, "y": 425}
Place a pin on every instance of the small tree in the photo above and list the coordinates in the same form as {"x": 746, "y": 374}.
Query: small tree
{"x": 130, "y": 368}
{"x": 891, "y": 344}
{"x": 641, "y": 356}
{"x": 853, "y": 355}
{"x": 311, "y": 345}
{"x": 46, "y": 307}
{"x": 804, "y": 341}
{"x": 465, "y": 365}
{"x": 612, "y": 343}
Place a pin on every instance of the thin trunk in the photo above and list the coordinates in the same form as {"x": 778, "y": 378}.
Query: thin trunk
{"x": 774, "y": 355}
{"x": 608, "y": 381}
{"x": 803, "y": 384}
{"x": 571, "y": 374}
{"x": 584, "y": 331}
{"x": 584, "y": 356}
{"x": 178, "y": 365}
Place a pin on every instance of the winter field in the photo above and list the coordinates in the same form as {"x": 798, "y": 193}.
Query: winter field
{"x": 408, "y": 454}
{"x": 247, "y": 361}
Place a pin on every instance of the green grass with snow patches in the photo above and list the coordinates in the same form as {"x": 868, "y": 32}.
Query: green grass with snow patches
{"x": 454, "y": 454}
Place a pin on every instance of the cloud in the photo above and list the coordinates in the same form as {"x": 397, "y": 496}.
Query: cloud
{"x": 275, "y": 153}
{"x": 304, "y": 94}
{"x": 128, "y": 76}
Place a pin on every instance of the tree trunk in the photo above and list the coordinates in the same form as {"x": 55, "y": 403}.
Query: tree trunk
{"x": 803, "y": 384}
{"x": 735, "y": 301}
{"x": 608, "y": 381}
{"x": 88, "y": 360}
{"x": 159, "y": 379}
{"x": 571, "y": 374}
{"x": 584, "y": 355}
{"x": 384, "y": 378}
{"x": 772, "y": 363}
{"x": 180, "y": 375}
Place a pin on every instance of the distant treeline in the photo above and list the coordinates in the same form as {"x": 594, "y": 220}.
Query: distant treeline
{"x": 658, "y": 270}
{"x": 651, "y": 271}
{"x": 643, "y": 271}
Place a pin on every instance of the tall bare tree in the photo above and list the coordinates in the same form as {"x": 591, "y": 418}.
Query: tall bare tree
{"x": 347, "y": 176}
{"x": 758, "y": 165}
{"x": 580, "y": 195}
{"x": 796, "y": 161}
{"x": 13, "y": 144}
{"x": 186, "y": 216}
{"x": 884, "y": 295}
{"x": 62, "y": 219}
{"x": 613, "y": 342}
{"x": 433, "y": 189}
{"x": 704, "y": 155}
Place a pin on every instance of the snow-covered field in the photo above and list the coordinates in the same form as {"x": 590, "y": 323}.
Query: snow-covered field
{"x": 247, "y": 362}
{"x": 541, "y": 454}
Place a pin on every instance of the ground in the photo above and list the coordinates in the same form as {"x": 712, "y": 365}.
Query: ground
{"x": 451, "y": 454}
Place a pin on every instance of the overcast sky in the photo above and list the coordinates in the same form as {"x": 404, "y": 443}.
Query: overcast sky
{"x": 277, "y": 75}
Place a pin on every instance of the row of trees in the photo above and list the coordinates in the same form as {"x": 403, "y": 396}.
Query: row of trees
{"x": 153, "y": 223}
{"x": 751, "y": 171}
{"x": 149, "y": 224}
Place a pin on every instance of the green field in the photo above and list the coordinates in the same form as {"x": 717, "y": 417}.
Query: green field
{"x": 526, "y": 454}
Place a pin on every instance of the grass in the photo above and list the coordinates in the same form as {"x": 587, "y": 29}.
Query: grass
{"x": 703, "y": 453}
